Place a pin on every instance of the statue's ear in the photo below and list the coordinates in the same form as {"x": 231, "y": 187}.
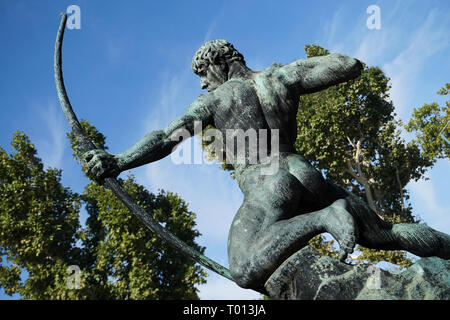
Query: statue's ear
{"x": 224, "y": 66}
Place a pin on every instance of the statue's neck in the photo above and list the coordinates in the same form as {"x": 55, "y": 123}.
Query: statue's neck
{"x": 238, "y": 70}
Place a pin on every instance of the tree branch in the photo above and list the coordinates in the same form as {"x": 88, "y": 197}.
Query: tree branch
{"x": 401, "y": 189}
{"x": 361, "y": 178}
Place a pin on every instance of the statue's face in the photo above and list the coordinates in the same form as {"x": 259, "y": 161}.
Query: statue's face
{"x": 212, "y": 77}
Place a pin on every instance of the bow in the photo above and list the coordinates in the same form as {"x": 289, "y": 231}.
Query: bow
{"x": 112, "y": 183}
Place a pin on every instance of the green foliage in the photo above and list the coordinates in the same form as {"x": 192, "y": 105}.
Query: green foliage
{"x": 369, "y": 256}
{"x": 324, "y": 247}
{"x": 41, "y": 236}
{"x": 38, "y": 224}
{"x": 428, "y": 122}
{"x": 207, "y": 143}
{"x": 315, "y": 51}
{"x": 350, "y": 133}
{"x": 127, "y": 261}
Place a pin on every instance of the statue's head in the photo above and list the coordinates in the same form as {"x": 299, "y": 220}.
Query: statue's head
{"x": 212, "y": 63}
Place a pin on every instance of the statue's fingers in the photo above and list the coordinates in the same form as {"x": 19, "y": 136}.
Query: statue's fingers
{"x": 87, "y": 156}
{"x": 92, "y": 162}
{"x": 97, "y": 169}
{"x": 342, "y": 255}
{"x": 100, "y": 173}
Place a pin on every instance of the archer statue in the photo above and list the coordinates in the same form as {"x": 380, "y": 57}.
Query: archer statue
{"x": 282, "y": 210}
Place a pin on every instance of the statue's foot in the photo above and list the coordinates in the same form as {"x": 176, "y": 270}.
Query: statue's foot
{"x": 339, "y": 222}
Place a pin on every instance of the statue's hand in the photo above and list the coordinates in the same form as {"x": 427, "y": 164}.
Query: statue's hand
{"x": 101, "y": 164}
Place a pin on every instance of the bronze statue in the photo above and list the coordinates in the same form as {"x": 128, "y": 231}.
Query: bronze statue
{"x": 281, "y": 212}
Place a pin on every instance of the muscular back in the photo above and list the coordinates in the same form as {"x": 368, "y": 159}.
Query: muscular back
{"x": 259, "y": 102}
{"x": 238, "y": 107}
{"x": 279, "y": 104}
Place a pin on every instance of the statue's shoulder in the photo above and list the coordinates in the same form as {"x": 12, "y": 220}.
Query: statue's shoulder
{"x": 204, "y": 103}
{"x": 271, "y": 77}
{"x": 246, "y": 83}
{"x": 270, "y": 73}
{"x": 229, "y": 88}
{"x": 234, "y": 83}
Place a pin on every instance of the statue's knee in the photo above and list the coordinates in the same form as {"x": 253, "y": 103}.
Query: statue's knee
{"x": 243, "y": 275}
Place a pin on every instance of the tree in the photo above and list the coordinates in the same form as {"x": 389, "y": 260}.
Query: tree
{"x": 350, "y": 133}
{"x": 432, "y": 127}
{"x": 41, "y": 235}
{"x": 39, "y": 219}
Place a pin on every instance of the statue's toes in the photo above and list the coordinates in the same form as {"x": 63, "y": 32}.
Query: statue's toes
{"x": 346, "y": 246}
{"x": 342, "y": 255}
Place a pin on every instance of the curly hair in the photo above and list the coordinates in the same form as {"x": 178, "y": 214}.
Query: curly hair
{"x": 215, "y": 52}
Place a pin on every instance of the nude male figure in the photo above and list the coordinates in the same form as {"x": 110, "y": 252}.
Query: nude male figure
{"x": 282, "y": 211}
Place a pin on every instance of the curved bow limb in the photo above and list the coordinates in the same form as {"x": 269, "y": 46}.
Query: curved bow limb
{"x": 111, "y": 183}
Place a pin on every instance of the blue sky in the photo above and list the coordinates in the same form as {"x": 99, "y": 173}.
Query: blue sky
{"x": 127, "y": 70}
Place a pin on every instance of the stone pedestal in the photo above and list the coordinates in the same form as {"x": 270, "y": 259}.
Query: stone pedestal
{"x": 307, "y": 275}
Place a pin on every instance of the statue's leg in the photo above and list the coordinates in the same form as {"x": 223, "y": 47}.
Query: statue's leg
{"x": 422, "y": 240}
{"x": 376, "y": 233}
{"x": 372, "y": 231}
{"x": 266, "y": 229}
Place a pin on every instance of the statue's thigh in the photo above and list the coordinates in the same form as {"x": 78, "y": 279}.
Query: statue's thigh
{"x": 310, "y": 178}
{"x": 267, "y": 198}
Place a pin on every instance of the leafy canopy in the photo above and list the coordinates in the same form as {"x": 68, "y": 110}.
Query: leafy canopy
{"x": 41, "y": 235}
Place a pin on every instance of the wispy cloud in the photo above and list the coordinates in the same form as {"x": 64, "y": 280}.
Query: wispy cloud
{"x": 425, "y": 196}
{"x": 51, "y": 142}
{"x": 402, "y": 47}
{"x": 114, "y": 52}
{"x": 176, "y": 93}
{"x": 376, "y": 43}
{"x": 210, "y": 31}
{"x": 427, "y": 40}
{"x": 373, "y": 46}
{"x": 331, "y": 26}
{"x": 214, "y": 23}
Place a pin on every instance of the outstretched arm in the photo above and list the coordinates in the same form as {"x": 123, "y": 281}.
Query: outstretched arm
{"x": 317, "y": 73}
{"x": 153, "y": 146}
